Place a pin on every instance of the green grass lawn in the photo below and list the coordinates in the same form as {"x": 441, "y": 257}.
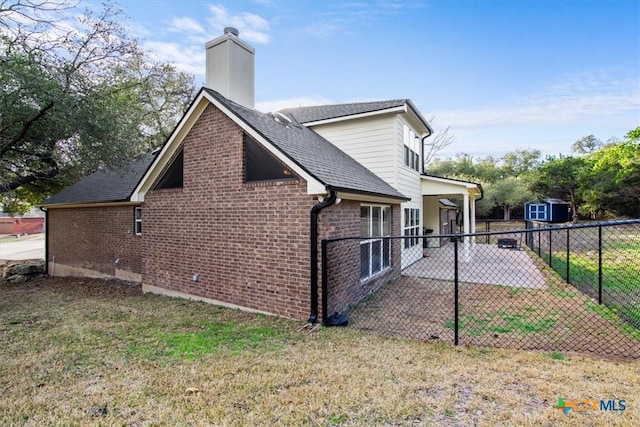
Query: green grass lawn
{"x": 89, "y": 352}
{"x": 620, "y": 275}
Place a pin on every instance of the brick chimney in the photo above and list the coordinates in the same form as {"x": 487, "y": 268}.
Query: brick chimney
{"x": 230, "y": 68}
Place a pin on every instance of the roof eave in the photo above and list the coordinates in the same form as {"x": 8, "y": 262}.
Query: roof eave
{"x": 369, "y": 196}
{"x": 418, "y": 115}
{"x": 89, "y": 204}
{"x": 398, "y": 109}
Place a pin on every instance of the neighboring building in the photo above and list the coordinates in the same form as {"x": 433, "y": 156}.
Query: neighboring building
{"x": 231, "y": 208}
{"x": 29, "y": 223}
{"x": 547, "y": 210}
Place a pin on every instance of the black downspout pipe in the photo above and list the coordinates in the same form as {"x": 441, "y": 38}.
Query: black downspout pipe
{"x": 315, "y": 210}
{"x": 46, "y": 241}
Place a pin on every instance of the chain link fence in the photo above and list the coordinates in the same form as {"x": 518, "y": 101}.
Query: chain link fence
{"x": 564, "y": 289}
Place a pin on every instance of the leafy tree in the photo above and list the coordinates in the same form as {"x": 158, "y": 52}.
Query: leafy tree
{"x": 587, "y": 144}
{"x": 613, "y": 180}
{"x": 504, "y": 180}
{"x": 560, "y": 178}
{"x": 521, "y": 162}
{"x": 507, "y": 193}
{"x": 461, "y": 167}
{"x": 634, "y": 134}
{"x": 75, "y": 97}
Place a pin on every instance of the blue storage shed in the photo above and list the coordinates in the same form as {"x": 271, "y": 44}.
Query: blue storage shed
{"x": 547, "y": 210}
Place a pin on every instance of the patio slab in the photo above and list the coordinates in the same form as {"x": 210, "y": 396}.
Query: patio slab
{"x": 479, "y": 263}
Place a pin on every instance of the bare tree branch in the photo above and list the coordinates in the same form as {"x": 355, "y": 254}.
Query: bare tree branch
{"x": 440, "y": 139}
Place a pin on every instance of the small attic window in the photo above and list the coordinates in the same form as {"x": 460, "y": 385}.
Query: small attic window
{"x": 172, "y": 178}
{"x": 260, "y": 165}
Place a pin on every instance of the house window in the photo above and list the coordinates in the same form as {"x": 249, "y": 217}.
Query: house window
{"x": 538, "y": 212}
{"x": 411, "y": 149}
{"x": 137, "y": 221}
{"x": 173, "y": 176}
{"x": 411, "y": 227}
{"x": 375, "y": 252}
{"x": 261, "y": 165}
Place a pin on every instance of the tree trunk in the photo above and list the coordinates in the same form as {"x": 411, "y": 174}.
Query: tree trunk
{"x": 507, "y": 213}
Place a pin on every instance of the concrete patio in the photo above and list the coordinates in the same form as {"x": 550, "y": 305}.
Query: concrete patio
{"x": 479, "y": 263}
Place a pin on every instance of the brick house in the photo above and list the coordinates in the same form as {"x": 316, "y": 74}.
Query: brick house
{"x": 231, "y": 209}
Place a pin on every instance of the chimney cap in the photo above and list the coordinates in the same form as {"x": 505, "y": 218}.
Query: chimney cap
{"x": 231, "y": 30}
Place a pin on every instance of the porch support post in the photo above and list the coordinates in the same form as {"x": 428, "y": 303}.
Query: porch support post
{"x": 466, "y": 247}
{"x": 472, "y": 210}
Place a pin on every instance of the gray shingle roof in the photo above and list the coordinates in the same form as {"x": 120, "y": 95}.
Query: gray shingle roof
{"x": 105, "y": 185}
{"x": 325, "y": 112}
{"x": 317, "y": 156}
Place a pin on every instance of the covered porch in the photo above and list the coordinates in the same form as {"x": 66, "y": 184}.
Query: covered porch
{"x": 436, "y": 192}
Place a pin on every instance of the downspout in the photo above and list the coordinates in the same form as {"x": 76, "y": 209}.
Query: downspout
{"x": 422, "y": 149}
{"x": 46, "y": 240}
{"x": 315, "y": 210}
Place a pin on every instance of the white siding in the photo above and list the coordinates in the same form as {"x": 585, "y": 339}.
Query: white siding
{"x": 370, "y": 141}
{"x": 378, "y": 144}
{"x": 409, "y": 184}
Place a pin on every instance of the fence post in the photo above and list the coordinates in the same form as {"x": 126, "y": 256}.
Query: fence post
{"x": 487, "y": 228}
{"x": 539, "y": 243}
{"x": 600, "y": 264}
{"x": 550, "y": 246}
{"x": 325, "y": 280}
{"x": 455, "y": 292}
{"x": 568, "y": 251}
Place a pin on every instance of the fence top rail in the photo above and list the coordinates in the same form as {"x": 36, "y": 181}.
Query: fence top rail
{"x": 493, "y": 233}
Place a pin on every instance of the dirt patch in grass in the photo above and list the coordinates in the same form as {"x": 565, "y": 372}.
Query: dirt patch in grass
{"x": 558, "y": 318}
{"x": 93, "y": 352}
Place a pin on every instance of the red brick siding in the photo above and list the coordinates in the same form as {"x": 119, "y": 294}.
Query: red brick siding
{"x": 93, "y": 238}
{"x": 248, "y": 242}
{"x": 343, "y": 267}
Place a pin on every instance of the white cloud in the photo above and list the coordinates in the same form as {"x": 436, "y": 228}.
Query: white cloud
{"x": 186, "y": 25}
{"x": 190, "y": 59}
{"x": 577, "y": 99}
{"x": 187, "y": 53}
{"x": 252, "y": 27}
{"x": 324, "y": 30}
{"x": 280, "y": 104}
{"x": 605, "y": 103}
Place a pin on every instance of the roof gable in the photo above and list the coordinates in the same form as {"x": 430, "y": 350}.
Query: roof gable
{"x": 321, "y": 164}
{"x": 310, "y": 151}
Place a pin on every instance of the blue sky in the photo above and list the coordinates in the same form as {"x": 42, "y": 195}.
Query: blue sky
{"x": 503, "y": 74}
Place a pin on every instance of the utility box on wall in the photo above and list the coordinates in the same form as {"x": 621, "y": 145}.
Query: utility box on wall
{"x": 548, "y": 210}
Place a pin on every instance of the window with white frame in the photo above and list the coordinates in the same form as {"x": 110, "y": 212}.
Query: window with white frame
{"x": 411, "y": 149}
{"x": 411, "y": 226}
{"x": 137, "y": 219}
{"x": 375, "y": 251}
{"x": 538, "y": 211}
